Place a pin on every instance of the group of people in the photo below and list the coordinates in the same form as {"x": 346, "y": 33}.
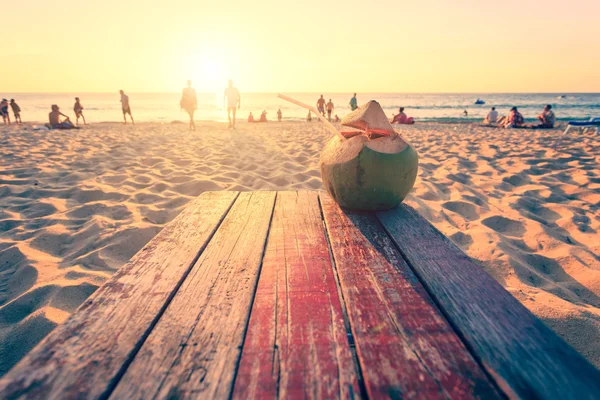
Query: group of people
{"x": 263, "y": 117}
{"x": 329, "y": 107}
{"x": 515, "y": 119}
{"x": 58, "y": 120}
{"x": 5, "y": 114}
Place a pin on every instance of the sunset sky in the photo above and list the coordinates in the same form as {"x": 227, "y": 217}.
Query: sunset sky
{"x": 292, "y": 46}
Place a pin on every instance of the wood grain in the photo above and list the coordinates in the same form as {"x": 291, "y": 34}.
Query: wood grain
{"x": 296, "y": 345}
{"x": 524, "y": 356}
{"x": 405, "y": 346}
{"x": 194, "y": 348}
{"x": 81, "y": 357}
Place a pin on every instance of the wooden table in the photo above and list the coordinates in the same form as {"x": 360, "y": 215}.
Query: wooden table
{"x": 264, "y": 295}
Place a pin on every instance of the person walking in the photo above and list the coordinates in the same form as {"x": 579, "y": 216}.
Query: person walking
{"x": 232, "y": 97}
{"x": 329, "y": 108}
{"x": 16, "y": 111}
{"x": 189, "y": 103}
{"x": 78, "y": 110}
{"x": 321, "y": 105}
{"x": 126, "y": 107}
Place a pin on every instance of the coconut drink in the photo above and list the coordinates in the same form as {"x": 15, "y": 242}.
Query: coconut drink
{"x": 370, "y": 168}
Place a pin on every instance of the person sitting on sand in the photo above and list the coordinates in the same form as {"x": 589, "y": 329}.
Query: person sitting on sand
{"x": 401, "y": 118}
{"x": 546, "y": 118}
{"x": 126, "y": 108}
{"x": 279, "y": 115}
{"x": 78, "y": 109}
{"x": 189, "y": 103}
{"x": 329, "y": 108}
{"x": 309, "y": 117}
{"x": 56, "y": 123}
{"x": 336, "y": 118}
{"x": 4, "y": 112}
{"x": 492, "y": 117}
{"x": 16, "y": 111}
{"x": 251, "y": 117}
{"x": 263, "y": 117}
{"x": 514, "y": 120}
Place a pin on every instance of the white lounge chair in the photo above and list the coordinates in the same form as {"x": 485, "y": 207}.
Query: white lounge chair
{"x": 592, "y": 123}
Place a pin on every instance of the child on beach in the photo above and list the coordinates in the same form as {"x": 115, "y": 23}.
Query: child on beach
{"x": 251, "y": 117}
{"x": 263, "y": 116}
{"x": 16, "y": 111}
{"x": 309, "y": 117}
{"x": 78, "y": 109}
{"x": 4, "y": 112}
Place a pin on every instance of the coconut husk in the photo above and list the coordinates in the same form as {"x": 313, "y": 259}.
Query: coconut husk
{"x": 369, "y": 118}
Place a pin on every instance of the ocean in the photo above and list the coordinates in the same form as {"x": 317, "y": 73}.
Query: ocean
{"x": 445, "y": 107}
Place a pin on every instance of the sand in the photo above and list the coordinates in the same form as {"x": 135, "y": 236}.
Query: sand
{"x": 76, "y": 205}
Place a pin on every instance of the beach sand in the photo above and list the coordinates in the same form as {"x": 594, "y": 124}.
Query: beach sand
{"x": 76, "y": 205}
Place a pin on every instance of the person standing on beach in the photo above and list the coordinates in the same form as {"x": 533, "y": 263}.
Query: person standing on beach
{"x": 329, "y": 107}
{"x": 78, "y": 110}
{"x": 279, "y": 115}
{"x": 4, "y": 112}
{"x": 353, "y": 103}
{"x": 126, "y": 108}
{"x": 189, "y": 103}
{"x": 232, "y": 96}
{"x": 16, "y": 111}
{"x": 321, "y": 105}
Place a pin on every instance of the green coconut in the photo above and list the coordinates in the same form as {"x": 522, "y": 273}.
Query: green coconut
{"x": 370, "y": 169}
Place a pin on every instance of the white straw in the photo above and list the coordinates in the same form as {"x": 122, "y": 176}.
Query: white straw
{"x": 314, "y": 110}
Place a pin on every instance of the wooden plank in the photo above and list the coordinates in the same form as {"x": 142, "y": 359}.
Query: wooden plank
{"x": 81, "y": 357}
{"x": 523, "y": 355}
{"x": 405, "y": 346}
{"x": 194, "y": 348}
{"x": 296, "y": 345}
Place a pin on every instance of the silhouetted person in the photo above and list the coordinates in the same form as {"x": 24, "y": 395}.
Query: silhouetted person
{"x": 16, "y": 111}
{"x": 353, "y": 103}
{"x": 78, "y": 109}
{"x": 189, "y": 103}
{"x": 329, "y": 108}
{"x": 4, "y": 111}
{"x": 279, "y": 115}
{"x": 232, "y": 95}
{"x": 126, "y": 107}
{"x": 321, "y": 105}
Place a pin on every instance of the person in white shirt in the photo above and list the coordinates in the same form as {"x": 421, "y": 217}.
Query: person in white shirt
{"x": 232, "y": 96}
{"x": 126, "y": 108}
{"x": 492, "y": 117}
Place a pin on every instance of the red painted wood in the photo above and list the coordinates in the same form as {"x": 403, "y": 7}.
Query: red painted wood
{"x": 405, "y": 347}
{"x": 296, "y": 344}
{"x": 525, "y": 358}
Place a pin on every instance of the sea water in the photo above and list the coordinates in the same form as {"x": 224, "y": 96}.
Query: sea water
{"x": 443, "y": 107}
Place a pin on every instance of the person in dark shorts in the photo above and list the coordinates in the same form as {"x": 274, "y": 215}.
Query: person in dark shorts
{"x": 329, "y": 107}
{"x": 16, "y": 111}
{"x": 4, "y": 112}
{"x": 547, "y": 118}
{"x": 321, "y": 105}
{"x": 126, "y": 108}
{"x": 78, "y": 109}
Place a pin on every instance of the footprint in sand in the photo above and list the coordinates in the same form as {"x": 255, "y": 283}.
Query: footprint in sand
{"x": 505, "y": 226}
{"x": 466, "y": 210}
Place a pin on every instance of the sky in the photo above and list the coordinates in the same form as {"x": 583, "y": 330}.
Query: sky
{"x": 472, "y": 46}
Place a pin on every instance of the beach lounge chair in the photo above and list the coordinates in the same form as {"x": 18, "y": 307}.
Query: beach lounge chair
{"x": 592, "y": 123}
